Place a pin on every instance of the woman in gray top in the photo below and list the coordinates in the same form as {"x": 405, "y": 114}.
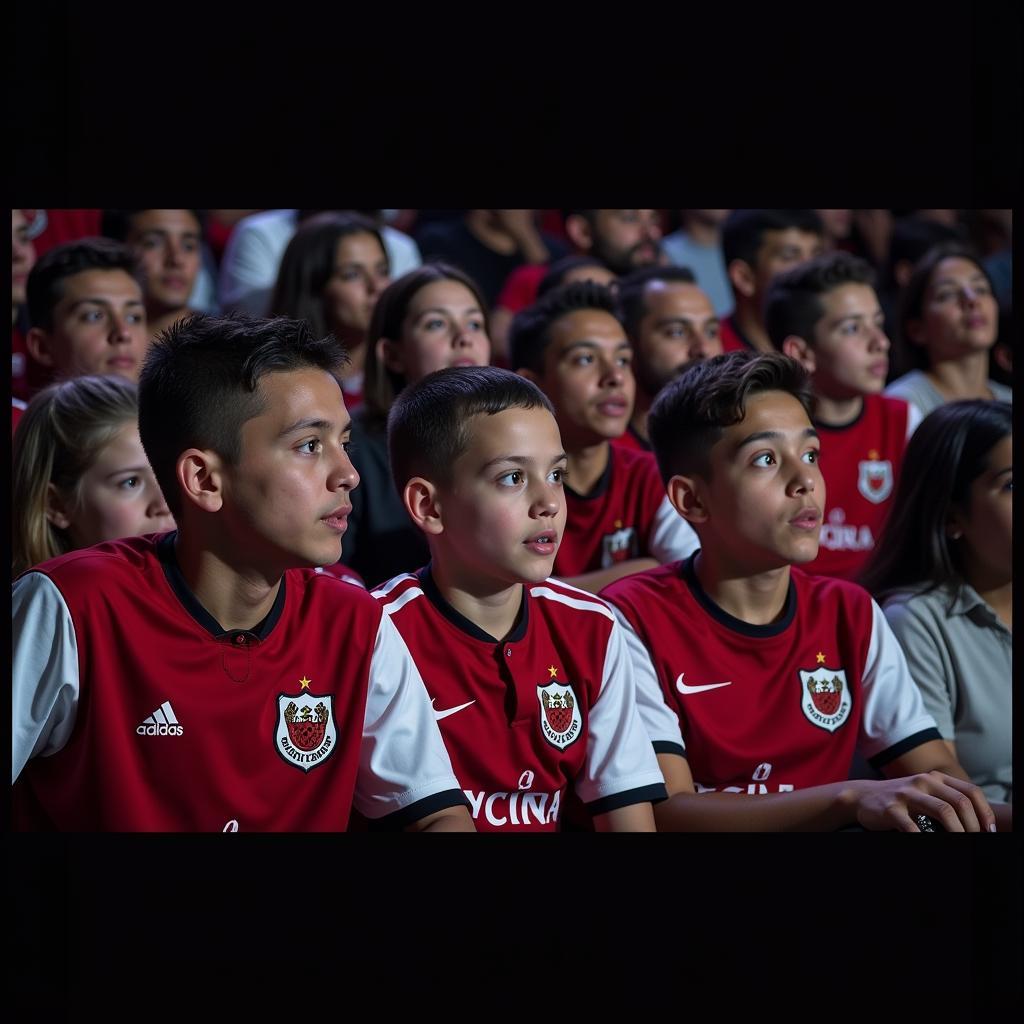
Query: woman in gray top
{"x": 949, "y": 320}
{"x": 943, "y": 574}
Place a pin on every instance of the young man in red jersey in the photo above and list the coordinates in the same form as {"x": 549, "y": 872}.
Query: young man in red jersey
{"x": 530, "y": 680}
{"x": 758, "y": 682}
{"x": 572, "y": 344}
{"x": 210, "y": 679}
{"x": 826, "y": 315}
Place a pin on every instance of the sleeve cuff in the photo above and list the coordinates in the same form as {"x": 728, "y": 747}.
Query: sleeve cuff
{"x": 645, "y": 794}
{"x": 891, "y": 753}
{"x": 420, "y": 809}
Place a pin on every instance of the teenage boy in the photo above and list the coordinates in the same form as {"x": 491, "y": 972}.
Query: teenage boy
{"x": 210, "y": 678}
{"x": 671, "y": 324}
{"x": 168, "y": 246}
{"x": 529, "y": 678}
{"x": 573, "y": 346}
{"x": 826, "y": 315}
{"x": 758, "y": 245}
{"x": 758, "y": 682}
{"x": 86, "y": 311}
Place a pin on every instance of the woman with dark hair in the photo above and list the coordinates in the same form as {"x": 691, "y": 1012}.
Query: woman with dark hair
{"x": 944, "y": 577}
{"x": 948, "y": 323}
{"x": 429, "y": 319}
{"x": 331, "y": 274}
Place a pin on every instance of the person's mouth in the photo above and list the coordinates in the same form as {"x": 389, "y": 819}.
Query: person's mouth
{"x": 614, "y": 406}
{"x": 544, "y": 543}
{"x": 338, "y": 519}
{"x": 808, "y": 518}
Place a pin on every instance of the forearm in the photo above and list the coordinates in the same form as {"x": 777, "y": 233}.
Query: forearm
{"x": 600, "y": 578}
{"x": 451, "y": 819}
{"x": 634, "y": 818}
{"x": 818, "y": 809}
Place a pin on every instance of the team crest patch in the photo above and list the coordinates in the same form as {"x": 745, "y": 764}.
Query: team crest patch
{"x": 874, "y": 479}
{"x": 825, "y": 697}
{"x": 618, "y": 546}
{"x": 560, "y": 718}
{"x": 305, "y": 735}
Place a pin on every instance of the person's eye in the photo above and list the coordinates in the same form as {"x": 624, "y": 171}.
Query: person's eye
{"x": 764, "y": 459}
{"x": 513, "y": 479}
{"x": 92, "y": 316}
{"x": 190, "y": 246}
{"x": 349, "y": 447}
{"x": 812, "y": 456}
{"x": 1008, "y": 486}
{"x": 582, "y": 359}
{"x": 476, "y": 325}
{"x": 134, "y": 318}
{"x": 312, "y": 447}
{"x": 674, "y": 332}
{"x": 626, "y": 360}
{"x": 711, "y": 331}
{"x": 434, "y": 324}
{"x": 557, "y": 476}
{"x": 944, "y": 295}
{"x": 130, "y": 483}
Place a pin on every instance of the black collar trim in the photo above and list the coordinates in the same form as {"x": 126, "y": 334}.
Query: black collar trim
{"x": 844, "y": 426}
{"x": 457, "y": 619}
{"x": 189, "y": 601}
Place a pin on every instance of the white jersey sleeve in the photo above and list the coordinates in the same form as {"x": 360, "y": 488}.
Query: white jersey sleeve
{"x": 914, "y": 418}
{"x": 45, "y": 683}
{"x": 672, "y": 537}
{"x": 893, "y": 708}
{"x": 620, "y": 765}
{"x": 403, "y": 764}
{"x": 660, "y": 721}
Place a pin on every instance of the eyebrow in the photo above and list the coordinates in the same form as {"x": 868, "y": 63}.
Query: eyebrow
{"x": 597, "y": 346}
{"x": 1001, "y": 472}
{"x": 168, "y": 231}
{"x": 100, "y": 302}
{"x": 520, "y": 460}
{"x": 685, "y": 320}
{"x": 773, "y": 435}
{"x": 312, "y": 424}
{"x": 127, "y": 469}
{"x": 977, "y": 275}
{"x": 440, "y": 309}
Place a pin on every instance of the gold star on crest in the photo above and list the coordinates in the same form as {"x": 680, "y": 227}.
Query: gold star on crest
{"x": 821, "y": 658}
{"x": 304, "y": 683}
{"x": 553, "y": 672}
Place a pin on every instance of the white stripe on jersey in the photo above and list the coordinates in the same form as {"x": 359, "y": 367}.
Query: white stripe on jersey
{"x": 385, "y": 588}
{"x": 593, "y": 605}
{"x": 400, "y": 602}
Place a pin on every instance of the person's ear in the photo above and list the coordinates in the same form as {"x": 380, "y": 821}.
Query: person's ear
{"x": 57, "y": 509}
{"x": 37, "y": 341}
{"x": 796, "y": 348}
{"x": 422, "y": 502}
{"x": 741, "y": 276}
{"x": 578, "y": 231}
{"x": 389, "y": 355}
{"x": 955, "y": 524}
{"x": 687, "y": 494}
{"x": 200, "y": 475}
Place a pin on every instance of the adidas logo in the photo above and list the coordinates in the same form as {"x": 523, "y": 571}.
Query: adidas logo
{"x": 163, "y": 722}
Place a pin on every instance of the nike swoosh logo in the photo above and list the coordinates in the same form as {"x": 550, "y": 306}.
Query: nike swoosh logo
{"x": 438, "y": 715}
{"x": 683, "y": 688}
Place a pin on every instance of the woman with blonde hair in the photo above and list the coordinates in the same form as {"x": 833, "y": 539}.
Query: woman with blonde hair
{"x": 80, "y": 475}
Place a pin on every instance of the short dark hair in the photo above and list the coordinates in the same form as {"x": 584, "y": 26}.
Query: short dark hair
{"x": 117, "y": 224}
{"x": 200, "y": 384}
{"x": 429, "y": 423}
{"x": 308, "y": 264}
{"x": 793, "y": 303}
{"x": 690, "y": 413}
{"x": 530, "y": 332}
{"x": 45, "y": 285}
{"x": 744, "y": 230}
{"x": 556, "y": 272}
{"x": 631, "y": 288}
{"x": 380, "y": 385}
{"x": 942, "y": 459}
{"x": 911, "y": 238}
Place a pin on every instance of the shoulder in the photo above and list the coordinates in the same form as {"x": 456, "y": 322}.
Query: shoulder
{"x": 634, "y": 463}
{"x": 1001, "y": 392}
{"x": 916, "y": 604}
{"x": 329, "y": 591}
{"x": 397, "y": 592}
{"x": 268, "y": 223}
{"x": 659, "y": 584}
{"x": 888, "y": 407}
{"x": 560, "y": 598}
{"x": 818, "y": 591}
{"x": 103, "y": 567}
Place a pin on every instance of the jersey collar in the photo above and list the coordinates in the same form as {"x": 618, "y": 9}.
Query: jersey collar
{"x": 603, "y": 482}
{"x": 457, "y": 619}
{"x": 189, "y": 601}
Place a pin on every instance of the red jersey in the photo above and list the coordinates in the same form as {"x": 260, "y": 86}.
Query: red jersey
{"x": 773, "y": 708}
{"x": 133, "y": 710}
{"x": 861, "y": 464}
{"x": 733, "y": 339}
{"x": 522, "y": 718}
{"x": 520, "y": 287}
{"x": 627, "y": 515}
{"x": 631, "y": 440}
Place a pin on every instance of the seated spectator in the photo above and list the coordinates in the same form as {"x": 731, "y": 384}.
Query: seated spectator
{"x": 574, "y": 268}
{"x": 950, "y": 317}
{"x": 697, "y": 246}
{"x": 943, "y": 572}
{"x": 332, "y": 272}
{"x": 758, "y": 682}
{"x": 758, "y": 244}
{"x": 671, "y": 325}
{"x": 167, "y": 244}
{"x": 431, "y": 318}
{"x": 80, "y": 475}
{"x": 252, "y": 256}
{"x": 573, "y": 346}
{"x": 826, "y": 315}
{"x": 86, "y": 310}
{"x": 23, "y": 258}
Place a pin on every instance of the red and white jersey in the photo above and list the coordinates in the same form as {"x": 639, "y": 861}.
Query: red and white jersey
{"x": 768, "y": 709}
{"x": 553, "y": 704}
{"x": 133, "y": 710}
{"x": 861, "y": 464}
{"x": 627, "y": 515}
